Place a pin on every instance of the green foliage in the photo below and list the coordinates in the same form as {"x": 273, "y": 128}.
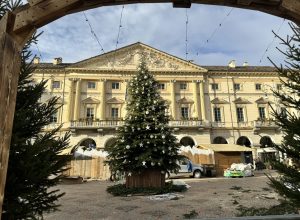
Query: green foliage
{"x": 122, "y": 190}
{"x": 288, "y": 183}
{"x": 282, "y": 209}
{"x": 34, "y": 164}
{"x": 145, "y": 141}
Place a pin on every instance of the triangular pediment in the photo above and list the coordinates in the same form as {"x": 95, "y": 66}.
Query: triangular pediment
{"x": 241, "y": 101}
{"x": 219, "y": 101}
{"x": 263, "y": 100}
{"x": 127, "y": 59}
{"x": 185, "y": 100}
{"x": 90, "y": 100}
{"x": 115, "y": 101}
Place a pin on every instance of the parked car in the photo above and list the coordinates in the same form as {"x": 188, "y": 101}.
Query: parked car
{"x": 187, "y": 167}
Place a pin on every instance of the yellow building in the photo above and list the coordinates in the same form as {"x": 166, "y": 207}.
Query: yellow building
{"x": 208, "y": 104}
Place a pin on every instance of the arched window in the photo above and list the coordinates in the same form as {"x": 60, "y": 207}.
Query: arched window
{"x": 243, "y": 141}
{"x": 187, "y": 141}
{"x": 219, "y": 140}
{"x": 88, "y": 144}
{"x": 266, "y": 141}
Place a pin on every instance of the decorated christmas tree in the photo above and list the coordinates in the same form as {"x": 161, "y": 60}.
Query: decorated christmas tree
{"x": 145, "y": 141}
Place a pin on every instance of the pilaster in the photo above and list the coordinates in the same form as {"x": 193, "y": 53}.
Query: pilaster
{"x": 196, "y": 113}
{"x": 102, "y": 90}
{"x": 202, "y": 101}
{"x": 77, "y": 100}
{"x": 173, "y": 99}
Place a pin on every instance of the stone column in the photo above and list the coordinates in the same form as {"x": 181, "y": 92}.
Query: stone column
{"x": 77, "y": 100}
{"x": 202, "y": 102}
{"x": 173, "y": 99}
{"x": 102, "y": 90}
{"x": 70, "y": 106}
{"x": 196, "y": 114}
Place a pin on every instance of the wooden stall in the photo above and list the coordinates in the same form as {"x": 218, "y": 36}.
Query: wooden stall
{"x": 226, "y": 154}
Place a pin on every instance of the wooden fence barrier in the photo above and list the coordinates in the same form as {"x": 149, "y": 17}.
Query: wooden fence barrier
{"x": 87, "y": 167}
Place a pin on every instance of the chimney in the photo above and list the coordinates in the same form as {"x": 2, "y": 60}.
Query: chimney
{"x": 57, "y": 61}
{"x": 231, "y": 64}
{"x": 36, "y": 60}
{"x": 245, "y": 64}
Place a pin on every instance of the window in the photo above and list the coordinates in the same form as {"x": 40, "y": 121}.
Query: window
{"x": 237, "y": 87}
{"x": 257, "y": 86}
{"x": 217, "y": 114}
{"x": 240, "y": 114}
{"x": 161, "y": 86}
{"x": 91, "y": 85}
{"x": 115, "y": 85}
{"x": 114, "y": 112}
{"x": 183, "y": 86}
{"x": 262, "y": 113}
{"x": 214, "y": 86}
{"x": 279, "y": 87}
{"x": 184, "y": 112}
{"x": 90, "y": 113}
{"x": 55, "y": 84}
{"x": 53, "y": 117}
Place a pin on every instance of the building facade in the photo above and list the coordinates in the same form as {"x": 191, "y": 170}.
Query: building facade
{"x": 207, "y": 104}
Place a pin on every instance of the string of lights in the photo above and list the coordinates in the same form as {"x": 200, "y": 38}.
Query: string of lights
{"x": 186, "y": 34}
{"x": 94, "y": 34}
{"x": 217, "y": 28}
{"x": 118, "y": 35}
{"x": 271, "y": 43}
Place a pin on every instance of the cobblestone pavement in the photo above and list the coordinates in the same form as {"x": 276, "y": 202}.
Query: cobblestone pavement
{"x": 208, "y": 197}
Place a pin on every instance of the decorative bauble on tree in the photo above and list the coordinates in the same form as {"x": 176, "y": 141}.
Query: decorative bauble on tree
{"x": 137, "y": 151}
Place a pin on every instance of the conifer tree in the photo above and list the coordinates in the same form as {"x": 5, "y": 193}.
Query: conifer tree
{"x": 145, "y": 141}
{"x": 34, "y": 164}
{"x": 288, "y": 183}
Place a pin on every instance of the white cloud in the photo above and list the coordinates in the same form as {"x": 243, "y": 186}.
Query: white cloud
{"x": 243, "y": 36}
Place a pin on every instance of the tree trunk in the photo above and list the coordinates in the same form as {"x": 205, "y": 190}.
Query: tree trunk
{"x": 148, "y": 178}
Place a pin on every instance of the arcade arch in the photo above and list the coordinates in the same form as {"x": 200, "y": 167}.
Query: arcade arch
{"x": 187, "y": 141}
{"x": 266, "y": 141}
{"x": 243, "y": 141}
{"x": 88, "y": 143}
{"x": 219, "y": 140}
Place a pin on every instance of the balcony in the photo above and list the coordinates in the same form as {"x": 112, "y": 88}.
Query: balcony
{"x": 112, "y": 124}
{"x": 86, "y": 124}
{"x": 265, "y": 125}
{"x": 235, "y": 125}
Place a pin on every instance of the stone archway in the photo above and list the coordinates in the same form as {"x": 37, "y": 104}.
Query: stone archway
{"x": 243, "y": 141}
{"x": 219, "y": 140}
{"x": 187, "y": 141}
{"x": 88, "y": 143}
{"x": 265, "y": 142}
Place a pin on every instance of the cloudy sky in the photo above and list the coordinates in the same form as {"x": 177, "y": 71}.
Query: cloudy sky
{"x": 244, "y": 35}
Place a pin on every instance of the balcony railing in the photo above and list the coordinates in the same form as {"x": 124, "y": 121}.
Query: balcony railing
{"x": 265, "y": 124}
{"x": 117, "y": 123}
{"x": 229, "y": 124}
{"x": 99, "y": 124}
{"x": 96, "y": 124}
